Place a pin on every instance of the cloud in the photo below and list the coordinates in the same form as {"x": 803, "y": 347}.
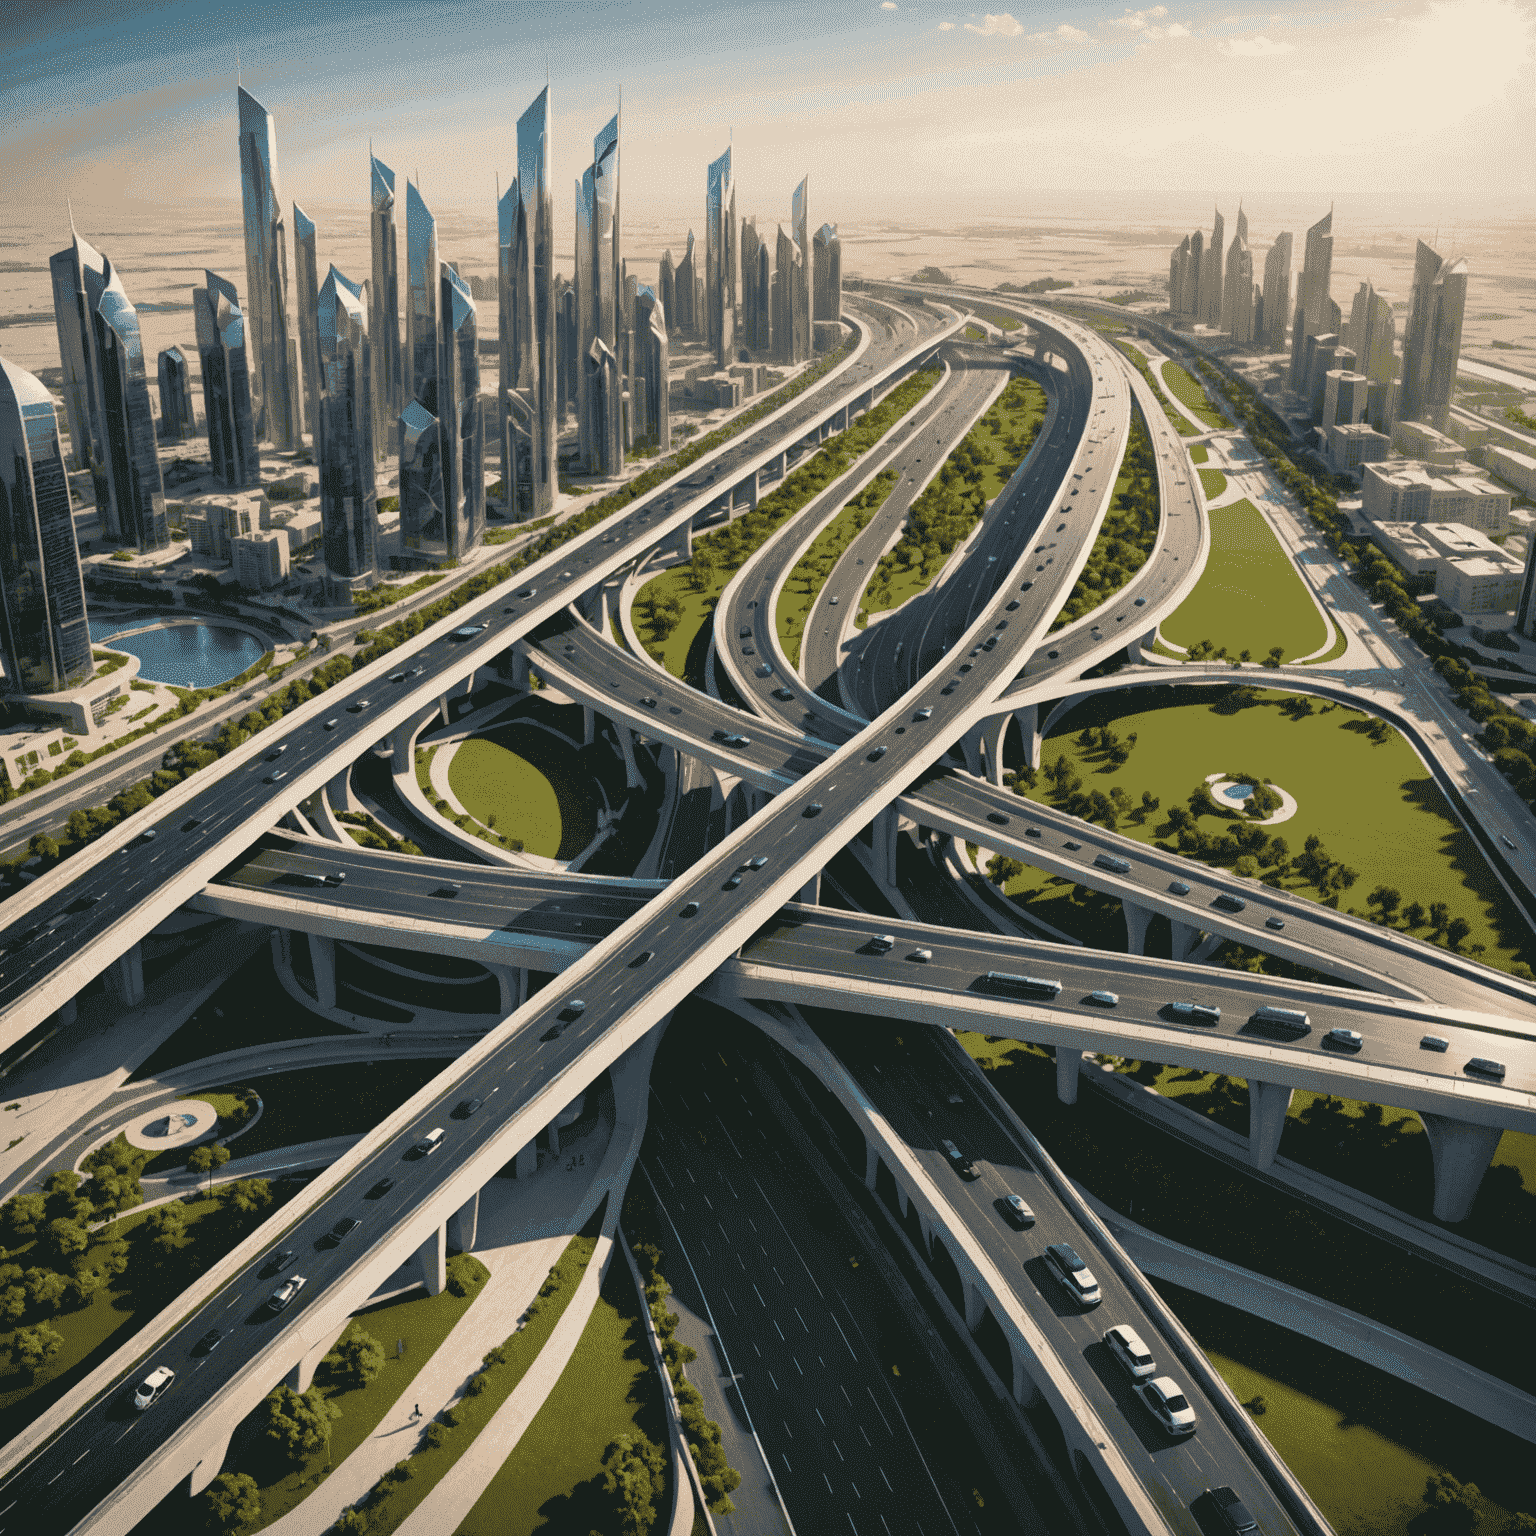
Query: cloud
{"x": 946, "y": 26}
{"x": 1253, "y": 47}
{"x": 1137, "y": 20}
{"x": 887, "y": 5}
{"x": 996, "y": 26}
{"x": 1062, "y": 34}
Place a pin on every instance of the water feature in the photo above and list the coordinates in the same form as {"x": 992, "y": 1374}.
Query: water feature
{"x": 194, "y": 655}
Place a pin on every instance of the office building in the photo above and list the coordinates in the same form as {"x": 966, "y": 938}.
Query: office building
{"x": 827, "y": 277}
{"x": 801, "y": 316}
{"x": 1193, "y": 274}
{"x": 215, "y": 522}
{"x": 1178, "y": 262}
{"x": 720, "y": 258}
{"x": 1398, "y": 492}
{"x": 261, "y": 560}
{"x": 348, "y": 494}
{"x": 461, "y": 417}
{"x": 1525, "y": 610}
{"x": 1478, "y": 585}
{"x": 1474, "y": 436}
{"x": 666, "y": 285}
{"x": 512, "y": 413}
{"x": 1351, "y": 445}
{"x": 1211, "y": 274}
{"x": 533, "y": 300}
{"x": 1231, "y": 285}
{"x": 1277, "y": 292}
{"x": 786, "y": 292}
{"x": 422, "y": 291}
{"x": 687, "y": 281}
{"x": 1418, "y": 440}
{"x": 178, "y": 421}
{"x": 306, "y": 293}
{"x": 273, "y": 354}
{"x": 648, "y": 385}
{"x": 1238, "y": 303}
{"x": 384, "y": 308}
{"x": 1312, "y": 295}
{"x": 1432, "y": 338}
{"x": 45, "y": 641}
{"x": 79, "y": 275}
{"x": 600, "y": 314}
{"x": 1516, "y": 469}
{"x": 756, "y": 324}
{"x": 1372, "y": 334}
{"x": 227, "y": 407}
{"x": 1344, "y": 398}
{"x": 566, "y": 343}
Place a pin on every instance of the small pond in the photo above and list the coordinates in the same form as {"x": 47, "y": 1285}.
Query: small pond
{"x": 189, "y": 655}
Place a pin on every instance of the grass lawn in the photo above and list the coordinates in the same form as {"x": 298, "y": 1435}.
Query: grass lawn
{"x": 1361, "y": 1443}
{"x": 422, "y": 1323}
{"x": 1199, "y": 453}
{"x": 1179, "y": 420}
{"x": 1372, "y": 803}
{"x": 1334, "y": 651}
{"x": 552, "y": 1481}
{"x": 1002, "y": 322}
{"x": 1185, "y": 388}
{"x": 975, "y": 333}
{"x": 1213, "y": 483}
{"x": 552, "y": 807}
{"x": 1249, "y": 596}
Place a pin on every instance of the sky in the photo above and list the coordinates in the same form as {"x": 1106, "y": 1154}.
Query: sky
{"x": 907, "y": 110}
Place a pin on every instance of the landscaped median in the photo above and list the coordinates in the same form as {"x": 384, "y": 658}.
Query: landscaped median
{"x": 1187, "y": 391}
{"x": 1179, "y": 421}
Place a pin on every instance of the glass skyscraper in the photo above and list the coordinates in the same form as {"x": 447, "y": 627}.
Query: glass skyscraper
{"x": 45, "y": 642}
{"x": 535, "y": 295}
{"x": 511, "y": 244}
{"x": 178, "y": 421}
{"x": 384, "y": 308}
{"x": 827, "y": 277}
{"x": 602, "y": 363}
{"x": 135, "y": 509}
{"x": 306, "y": 274}
{"x": 1432, "y": 338}
{"x": 79, "y": 275}
{"x": 348, "y": 494}
{"x": 226, "y": 382}
{"x": 461, "y": 420}
{"x": 420, "y": 299}
{"x": 274, "y": 361}
{"x": 800, "y": 298}
{"x": 649, "y": 413}
{"x": 720, "y": 259}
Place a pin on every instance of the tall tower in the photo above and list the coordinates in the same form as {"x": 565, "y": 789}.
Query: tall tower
{"x": 1432, "y": 340}
{"x": 1232, "y": 287}
{"x": 45, "y": 641}
{"x": 274, "y": 373}
{"x": 348, "y": 493}
{"x": 800, "y": 296}
{"x": 225, "y": 364}
{"x": 461, "y": 420}
{"x": 600, "y": 307}
{"x": 535, "y": 301}
{"x": 1195, "y": 276}
{"x": 79, "y": 275}
{"x": 648, "y": 384}
{"x": 720, "y": 258}
{"x": 306, "y": 278}
{"x": 1210, "y": 276}
{"x": 685, "y": 322}
{"x": 1312, "y": 296}
{"x": 828, "y": 275}
{"x": 178, "y": 421}
{"x": 384, "y": 308}
{"x": 1277, "y": 291}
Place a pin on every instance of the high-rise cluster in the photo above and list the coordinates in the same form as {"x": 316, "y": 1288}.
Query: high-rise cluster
{"x": 344, "y": 437}
{"x": 225, "y": 363}
{"x": 1213, "y": 284}
{"x": 599, "y": 309}
{"x": 1432, "y": 340}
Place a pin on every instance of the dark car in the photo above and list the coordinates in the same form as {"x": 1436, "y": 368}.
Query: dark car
{"x": 877, "y": 753}
{"x": 343, "y": 1228}
{"x": 733, "y": 882}
{"x": 276, "y": 753}
{"x": 1230, "y": 903}
{"x": 997, "y": 818}
{"x": 1231, "y": 1513}
{"x": 208, "y": 1343}
{"x": 783, "y": 695}
{"x": 467, "y": 1107}
{"x": 380, "y": 1189}
{"x": 813, "y": 809}
{"x": 690, "y": 910}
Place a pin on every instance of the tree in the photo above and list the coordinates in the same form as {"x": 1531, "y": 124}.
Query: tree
{"x": 357, "y": 1359}
{"x": 1414, "y": 914}
{"x": 1454, "y": 1506}
{"x": 46, "y": 1289}
{"x": 1001, "y": 869}
{"x": 23, "y": 1215}
{"x": 1385, "y": 897}
{"x": 32, "y": 1348}
{"x": 1276, "y": 652}
{"x": 67, "y": 1239}
{"x": 207, "y": 1158}
{"x": 231, "y": 1502}
{"x": 299, "y": 1425}
{"x": 1456, "y": 930}
{"x": 634, "y": 1475}
{"x": 1439, "y": 916}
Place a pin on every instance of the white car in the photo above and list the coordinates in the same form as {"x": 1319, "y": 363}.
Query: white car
{"x": 1168, "y": 1405}
{"x": 153, "y": 1387}
{"x": 1019, "y": 1211}
{"x": 1134, "y": 1358}
{"x": 285, "y": 1293}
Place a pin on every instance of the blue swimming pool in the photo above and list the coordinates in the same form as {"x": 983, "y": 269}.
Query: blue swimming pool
{"x": 189, "y": 655}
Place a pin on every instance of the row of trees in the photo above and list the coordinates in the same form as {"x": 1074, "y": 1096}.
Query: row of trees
{"x": 1066, "y": 791}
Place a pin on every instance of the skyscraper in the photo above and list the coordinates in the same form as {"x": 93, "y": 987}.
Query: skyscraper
{"x": 586, "y": 323}
{"x": 384, "y": 308}
{"x": 1312, "y": 294}
{"x": 460, "y": 417}
{"x": 535, "y": 295}
{"x": 135, "y": 508}
{"x": 274, "y": 384}
{"x": 800, "y": 219}
{"x": 422, "y": 497}
{"x": 1210, "y": 276}
{"x": 510, "y": 246}
{"x": 720, "y": 258}
{"x": 348, "y": 495}
{"x": 827, "y": 277}
{"x": 1195, "y": 275}
{"x": 599, "y": 266}
{"x": 1432, "y": 339}
{"x": 787, "y": 284}
{"x": 306, "y": 277}
{"x": 1240, "y": 276}
{"x": 1372, "y": 334}
{"x": 648, "y": 383}
{"x": 686, "y": 322}
{"x": 421, "y": 299}
{"x": 225, "y": 367}
{"x": 45, "y": 641}
{"x": 178, "y": 421}
{"x": 79, "y": 275}
{"x": 1277, "y": 291}
{"x": 1233, "y": 290}
{"x": 666, "y": 285}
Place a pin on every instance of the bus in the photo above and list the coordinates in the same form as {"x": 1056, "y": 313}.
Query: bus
{"x": 1292, "y": 1020}
{"x": 1002, "y": 981}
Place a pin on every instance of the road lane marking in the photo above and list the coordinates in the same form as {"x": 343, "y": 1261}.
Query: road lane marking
{"x": 803, "y": 1322}
{"x": 798, "y": 1366}
{"x": 772, "y": 1379}
{"x": 780, "y": 1332}
{"x": 883, "y": 1419}
{"x": 759, "y": 1293}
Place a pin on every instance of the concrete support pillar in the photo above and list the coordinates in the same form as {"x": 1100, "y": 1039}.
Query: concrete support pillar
{"x": 282, "y": 948}
{"x": 606, "y": 610}
{"x": 209, "y": 1467}
{"x": 925, "y": 1226}
{"x": 632, "y": 776}
{"x": 1025, "y": 1392}
{"x": 340, "y": 791}
{"x": 780, "y": 465}
{"x": 464, "y": 1224}
{"x": 684, "y": 542}
{"x": 871, "y": 1163}
{"x": 432, "y": 1256}
{"x": 996, "y": 736}
{"x": 970, "y": 745}
{"x": 975, "y": 1306}
{"x": 810, "y": 892}
{"x": 301, "y": 1375}
{"x": 1069, "y": 1063}
{"x": 1029, "y": 732}
{"x": 513, "y": 981}
{"x": 322, "y": 960}
{"x": 400, "y": 750}
{"x": 1136, "y": 921}
{"x": 903, "y": 1200}
{"x": 1186, "y": 937}
{"x": 751, "y": 485}
{"x": 587, "y": 721}
{"x": 444, "y": 713}
{"x": 1462, "y": 1153}
{"x": 128, "y": 972}
{"x": 1144, "y": 643}
{"x": 1267, "y": 1104}
{"x": 886, "y": 828}
{"x": 520, "y": 667}
{"x": 527, "y": 1160}
{"x": 66, "y": 1015}
{"x": 552, "y": 1130}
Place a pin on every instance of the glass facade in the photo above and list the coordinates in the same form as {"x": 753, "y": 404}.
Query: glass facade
{"x": 384, "y": 308}
{"x": 1277, "y": 291}
{"x": 226, "y": 382}
{"x": 649, "y": 415}
{"x": 79, "y": 275}
{"x": 420, "y": 299}
{"x": 685, "y": 322}
{"x": 510, "y": 244}
{"x": 178, "y": 421}
{"x": 45, "y": 641}
{"x": 348, "y": 495}
{"x": 720, "y": 259}
{"x": 828, "y": 275}
{"x": 306, "y": 282}
{"x": 137, "y": 496}
{"x": 603, "y": 355}
{"x": 536, "y": 295}
{"x": 1432, "y": 339}
{"x": 274, "y": 356}
{"x": 587, "y": 435}
{"x": 461, "y": 418}
{"x": 1316, "y": 277}
{"x": 800, "y": 296}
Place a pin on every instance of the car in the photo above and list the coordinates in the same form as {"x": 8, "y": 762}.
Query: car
{"x": 279, "y": 1260}
{"x": 690, "y": 910}
{"x": 757, "y": 861}
{"x": 429, "y": 1143}
{"x": 783, "y": 695}
{"x": 877, "y": 754}
{"x": 997, "y": 818}
{"x": 148, "y": 835}
{"x": 1276, "y": 923}
{"x": 1104, "y": 999}
{"x": 1168, "y": 1405}
{"x": 397, "y": 677}
{"x": 379, "y": 1190}
{"x": 1484, "y": 1066}
{"x": 763, "y": 669}
{"x": 467, "y": 1107}
{"x": 1054, "y": 655}
{"x": 1345, "y": 1039}
{"x": 153, "y": 1387}
{"x": 1114, "y": 865}
{"x": 1019, "y": 1212}
{"x": 342, "y": 1229}
{"x": 417, "y": 671}
{"x": 748, "y": 650}
{"x": 1231, "y": 1513}
{"x": 528, "y": 592}
{"x": 965, "y": 667}
{"x": 1011, "y": 606}
{"x": 331, "y": 725}
{"x": 1230, "y": 903}
{"x": 947, "y": 691}
{"x": 277, "y": 752}
{"x": 643, "y": 958}
{"x": 737, "y": 741}
{"x": 1033, "y": 832}
{"x": 1435, "y": 1043}
{"x": 570, "y": 650}
{"x": 1002, "y": 624}
{"x": 1072, "y": 847}
{"x": 925, "y": 713}
{"x": 832, "y": 601}
{"x": 285, "y": 1293}
{"x": 1141, "y": 602}
{"x": 1179, "y": 888}
{"x": 1072, "y": 1274}
{"x": 275, "y": 778}
{"x": 921, "y": 956}
{"x": 1508, "y": 842}
{"x": 1027, "y": 585}
{"x": 976, "y": 651}
{"x": 733, "y": 882}
{"x": 815, "y": 808}
{"x": 336, "y": 877}
{"x": 957, "y": 1159}
{"x": 1198, "y": 1013}
{"x": 988, "y": 644}
{"x": 1132, "y": 1356}
{"x": 648, "y": 702}
{"x": 208, "y": 1342}
{"x": 467, "y": 631}
{"x": 745, "y": 632}
{"x": 509, "y": 610}
{"x": 881, "y": 943}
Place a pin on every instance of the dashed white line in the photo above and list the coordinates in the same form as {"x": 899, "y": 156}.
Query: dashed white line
{"x": 772, "y": 1379}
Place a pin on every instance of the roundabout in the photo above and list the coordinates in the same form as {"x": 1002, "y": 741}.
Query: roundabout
{"x": 1234, "y": 795}
{"x": 179, "y": 1124}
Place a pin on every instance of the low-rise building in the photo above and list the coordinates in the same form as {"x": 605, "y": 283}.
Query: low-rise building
{"x": 1419, "y": 440}
{"x": 1407, "y": 547}
{"x": 302, "y": 527}
{"x": 1405, "y": 492}
{"x": 261, "y": 559}
{"x": 1516, "y": 469}
{"x": 1352, "y": 444}
{"x": 1479, "y": 586}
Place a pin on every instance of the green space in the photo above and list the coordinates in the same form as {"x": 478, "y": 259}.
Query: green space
{"x": 1198, "y": 453}
{"x": 364, "y": 1373}
{"x": 975, "y": 333}
{"x": 1177, "y": 419}
{"x": 1002, "y": 322}
{"x": 554, "y": 1479}
{"x": 1380, "y": 822}
{"x": 1127, "y": 534}
{"x": 942, "y": 518}
{"x": 381, "y": 596}
{"x": 674, "y": 611}
{"x": 1186, "y": 389}
{"x": 799, "y": 593}
{"x": 550, "y": 809}
{"x": 1334, "y": 651}
{"x": 1213, "y": 483}
{"x": 1249, "y": 597}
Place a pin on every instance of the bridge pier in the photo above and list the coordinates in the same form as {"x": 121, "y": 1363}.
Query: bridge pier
{"x": 632, "y": 776}
{"x": 810, "y": 892}
{"x": 340, "y": 791}
{"x": 128, "y": 974}
{"x": 871, "y": 1163}
{"x": 301, "y": 1376}
{"x": 1025, "y": 1392}
{"x": 975, "y": 1306}
{"x": 65, "y": 1016}
{"x": 588, "y": 733}
{"x": 751, "y": 488}
{"x": 1069, "y": 1064}
{"x": 520, "y": 667}
{"x": 432, "y": 1256}
{"x": 322, "y": 961}
{"x": 513, "y": 982}
{"x": 1462, "y": 1153}
{"x": 997, "y": 735}
{"x": 1145, "y": 643}
{"x": 1267, "y": 1104}
{"x": 444, "y": 714}
{"x": 925, "y": 1226}
{"x": 464, "y": 1224}
{"x": 1029, "y": 732}
{"x": 527, "y": 1160}
{"x": 1137, "y": 920}
{"x": 209, "y": 1467}
{"x": 1193, "y": 944}
{"x": 971, "y": 747}
{"x": 887, "y": 826}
